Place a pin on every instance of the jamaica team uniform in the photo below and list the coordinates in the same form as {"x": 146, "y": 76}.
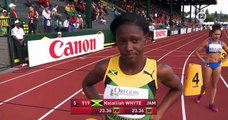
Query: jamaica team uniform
{"x": 118, "y": 85}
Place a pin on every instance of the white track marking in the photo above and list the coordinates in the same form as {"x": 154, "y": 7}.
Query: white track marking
{"x": 14, "y": 78}
{"x": 182, "y": 81}
{"x": 224, "y": 81}
{"x": 56, "y": 107}
{"x": 51, "y": 80}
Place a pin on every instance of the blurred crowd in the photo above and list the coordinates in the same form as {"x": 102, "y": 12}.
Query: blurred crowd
{"x": 159, "y": 17}
{"x": 43, "y": 13}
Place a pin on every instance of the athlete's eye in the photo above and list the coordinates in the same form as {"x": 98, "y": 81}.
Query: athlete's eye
{"x": 134, "y": 41}
{"x": 121, "y": 41}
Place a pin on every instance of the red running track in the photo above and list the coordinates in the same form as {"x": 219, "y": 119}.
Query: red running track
{"x": 44, "y": 92}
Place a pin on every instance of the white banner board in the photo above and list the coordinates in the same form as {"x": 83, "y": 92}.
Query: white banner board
{"x": 45, "y": 51}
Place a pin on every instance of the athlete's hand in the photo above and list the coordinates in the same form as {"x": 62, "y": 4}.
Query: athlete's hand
{"x": 203, "y": 61}
{"x": 221, "y": 60}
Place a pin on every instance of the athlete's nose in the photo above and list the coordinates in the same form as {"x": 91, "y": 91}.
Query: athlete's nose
{"x": 129, "y": 46}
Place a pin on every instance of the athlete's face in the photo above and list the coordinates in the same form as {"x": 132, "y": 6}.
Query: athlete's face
{"x": 216, "y": 34}
{"x": 130, "y": 41}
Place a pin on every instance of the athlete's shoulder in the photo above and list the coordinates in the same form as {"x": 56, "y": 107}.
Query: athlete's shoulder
{"x": 102, "y": 65}
{"x": 164, "y": 68}
{"x": 206, "y": 42}
{"x": 164, "y": 72}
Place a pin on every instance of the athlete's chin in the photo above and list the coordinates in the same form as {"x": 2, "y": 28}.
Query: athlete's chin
{"x": 131, "y": 59}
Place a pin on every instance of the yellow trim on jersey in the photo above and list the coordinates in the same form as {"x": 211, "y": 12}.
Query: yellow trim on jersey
{"x": 140, "y": 79}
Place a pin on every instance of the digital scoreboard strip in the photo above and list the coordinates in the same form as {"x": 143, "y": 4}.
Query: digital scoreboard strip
{"x": 111, "y": 106}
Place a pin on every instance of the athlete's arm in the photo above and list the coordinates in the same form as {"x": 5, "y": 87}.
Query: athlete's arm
{"x": 199, "y": 48}
{"x": 225, "y": 48}
{"x": 167, "y": 76}
{"x": 94, "y": 76}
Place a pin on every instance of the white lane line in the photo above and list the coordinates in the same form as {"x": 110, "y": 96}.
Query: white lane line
{"x": 182, "y": 75}
{"x": 14, "y": 78}
{"x": 221, "y": 75}
{"x": 224, "y": 81}
{"x": 33, "y": 88}
{"x": 182, "y": 81}
{"x": 180, "y": 47}
{"x": 56, "y": 107}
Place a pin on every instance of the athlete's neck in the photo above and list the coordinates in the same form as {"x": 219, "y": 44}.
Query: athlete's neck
{"x": 131, "y": 69}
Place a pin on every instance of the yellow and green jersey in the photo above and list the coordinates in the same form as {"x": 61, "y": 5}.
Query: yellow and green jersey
{"x": 142, "y": 85}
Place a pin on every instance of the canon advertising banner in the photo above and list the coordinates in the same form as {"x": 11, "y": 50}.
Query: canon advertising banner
{"x": 45, "y": 51}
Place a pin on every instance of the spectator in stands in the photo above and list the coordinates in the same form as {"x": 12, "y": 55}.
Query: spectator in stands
{"x": 151, "y": 31}
{"x": 17, "y": 34}
{"x": 13, "y": 14}
{"x": 58, "y": 25}
{"x": 71, "y": 28}
{"x": 47, "y": 19}
{"x": 80, "y": 21}
{"x": 79, "y": 6}
{"x": 66, "y": 24}
{"x": 94, "y": 12}
{"x": 102, "y": 16}
{"x": 132, "y": 71}
{"x": 4, "y": 23}
{"x": 70, "y": 10}
{"x": 43, "y": 3}
{"x": 33, "y": 17}
{"x": 48, "y": 2}
{"x": 59, "y": 35}
{"x": 102, "y": 20}
{"x": 105, "y": 10}
{"x": 28, "y": 3}
{"x": 55, "y": 13}
{"x": 116, "y": 12}
{"x": 74, "y": 23}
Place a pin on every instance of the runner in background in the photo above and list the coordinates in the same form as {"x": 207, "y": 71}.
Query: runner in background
{"x": 212, "y": 70}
